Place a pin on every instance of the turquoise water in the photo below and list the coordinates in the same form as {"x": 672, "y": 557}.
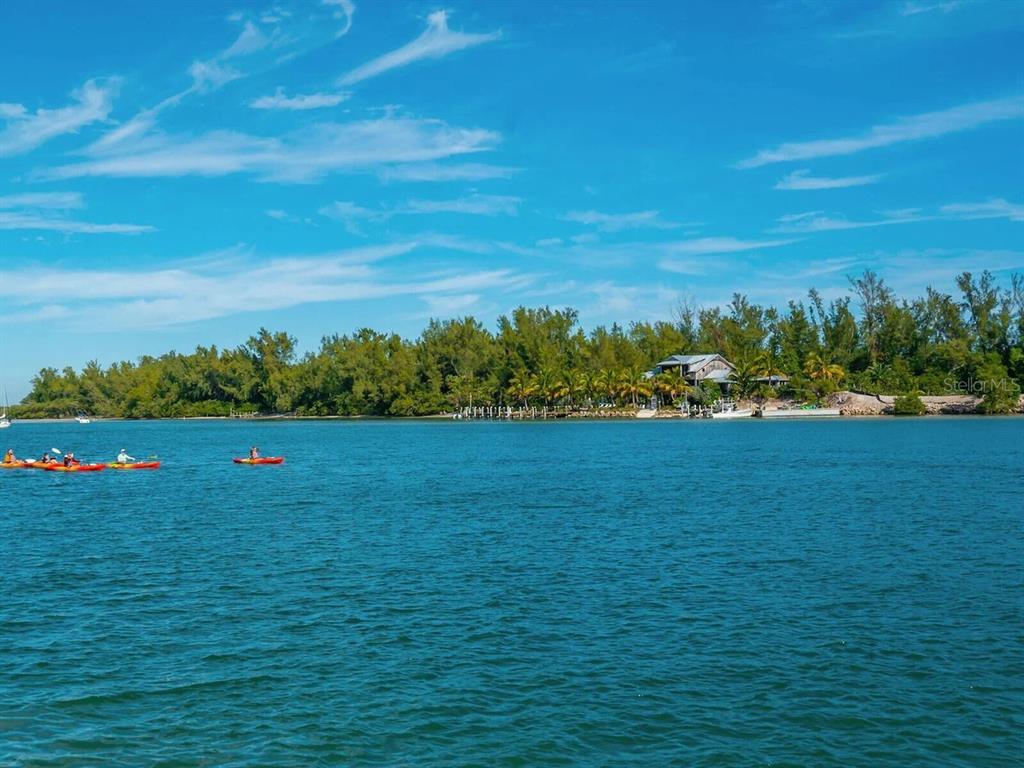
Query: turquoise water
{"x": 439, "y": 594}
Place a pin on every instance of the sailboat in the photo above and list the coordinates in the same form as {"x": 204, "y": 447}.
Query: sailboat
{"x": 4, "y": 421}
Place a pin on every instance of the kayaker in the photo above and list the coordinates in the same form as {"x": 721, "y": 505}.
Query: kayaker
{"x": 124, "y": 458}
{"x": 69, "y": 459}
{"x": 47, "y": 459}
{"x": 9, "y": 456}
{"x": 254, "y": 452}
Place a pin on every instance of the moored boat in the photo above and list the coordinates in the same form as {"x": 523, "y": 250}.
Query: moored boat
{"x": 737, "y": 413}
{"x": 799, "y": 413}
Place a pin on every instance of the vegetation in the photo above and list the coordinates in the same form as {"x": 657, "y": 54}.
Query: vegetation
{"x": 869, "y": 341}
{"x": 909, "y": 405}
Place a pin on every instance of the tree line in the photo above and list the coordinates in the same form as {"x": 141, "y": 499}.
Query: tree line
{"x": 868, "y": 341}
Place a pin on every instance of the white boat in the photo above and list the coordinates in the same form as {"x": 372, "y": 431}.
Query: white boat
{"x": 736, "y": 413}
{"x": 799, "y": 413}
{"x": 4, "y": 421}
{"x": 83, "y": 419}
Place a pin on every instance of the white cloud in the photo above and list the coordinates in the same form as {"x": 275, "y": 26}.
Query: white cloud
{"x": 344, "y": 10}
{"x": 704, "y": 246}
{"x": 913, "y": 7}
{"x": 266, "y": 41}
{"x": 351, "y": 214}
{"x": 913, "y": 128}
{"x": 36, "y": 211}
{"x": 300, "y": 156}
{"x": 26, "y": 131}
{"x": 801, "y": 180}
{"x": 451, "y": 305}
{"x": 451, "y": 172}
{"x": 996, "y": 208}
{"x": 614, "y": 222}
{"x": 300, "y": 102}
{"x": 435, "y": 42}
{"x": 479, "y": 205}
{"x": 52, "y": 200}
{"x": 818, "y": 221}
{"x": 35, "y": 221}
{"x": 191, "y": 292}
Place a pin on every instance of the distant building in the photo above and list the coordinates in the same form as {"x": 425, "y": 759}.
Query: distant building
{"x": 698, "y": 369}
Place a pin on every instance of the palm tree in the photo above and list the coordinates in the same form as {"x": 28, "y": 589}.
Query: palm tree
{"x": 634, "y": 383}
{"x": 768, "y": 366}
{"x": 584, "y": 386}
{"x": 671, "y": 386}
{"x": 522, "y": 386}
{"x": 549, "y": 385}
{"x": 744, "y": 377}
{"x": 607, "y": 383}
{"x": 817, "y": 368}
{"x": 878, "y": 374}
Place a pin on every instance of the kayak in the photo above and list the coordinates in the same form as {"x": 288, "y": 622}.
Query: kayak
{"x": 17, "y": 464}
{"x": 75, "y": 468}
{"x": 261, "y": 460}
{"x": 135, "y": 465}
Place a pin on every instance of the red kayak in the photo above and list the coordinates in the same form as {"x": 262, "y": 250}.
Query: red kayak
{"x": 261, "y": 460}
{"x": 135, "y": 465}
{"x": 75, "y": 468}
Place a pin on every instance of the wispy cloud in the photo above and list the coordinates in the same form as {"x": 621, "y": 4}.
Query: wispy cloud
{"x": 35, "y": 221}
{"x": 61, "y": 201}
{"x": 478, "y": 205}
{"x": 685, "y": 256}
{"x": 300, "y": 156}
{"x": 351, "y": 215}
{"x": 914, "y": 7}
{"x": 615, "y": 222}
{"x": 913, "y": 128}
{"x": 819, "y": 221}
{"x": 996, "y": 208}
{"x": 189, "y": 292}
{"x": 38, "y": 211}
{"x": 450, "y": 172}
{"x": 802, "y": 180}
{"x": 26, "y": 130}
{"x": 299, "y": 102}
{"x": 265, "y": 41}
{"x": 435, "y": 42}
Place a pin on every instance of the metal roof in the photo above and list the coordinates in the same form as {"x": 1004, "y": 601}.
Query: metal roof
{"x": 719, "y": 375}
{"x": 687, "y": 360}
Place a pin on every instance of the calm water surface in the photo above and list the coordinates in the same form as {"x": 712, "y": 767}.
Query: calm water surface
{"x": 441, "y": 594}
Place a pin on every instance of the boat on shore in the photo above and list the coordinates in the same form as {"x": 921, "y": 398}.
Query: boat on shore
{"x": 735, "y": 413}
{"x": 799, "y": 413}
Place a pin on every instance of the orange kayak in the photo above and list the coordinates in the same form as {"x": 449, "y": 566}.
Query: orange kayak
{"x": 261, "y": 460}
{"x": 135, "y": 465}
{"x": 75, "y": 468}
{"x": 17, "y": 464}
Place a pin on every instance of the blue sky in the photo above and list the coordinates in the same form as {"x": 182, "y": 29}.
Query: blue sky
{"x": 181, "y": 173}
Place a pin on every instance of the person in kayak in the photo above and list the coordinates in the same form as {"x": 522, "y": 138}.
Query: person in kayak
{"x": 124, "y": 458}
{"x": 69, "y": 459}
{"x": 9, "y": 457}
{"x": 47, "y": 459}
{"x": 254, "y": 452}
